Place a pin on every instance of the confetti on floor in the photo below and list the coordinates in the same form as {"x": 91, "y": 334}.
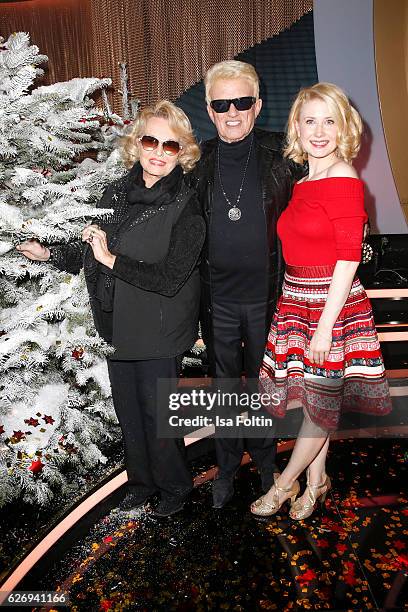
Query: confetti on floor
{"x": 352, "y": 555}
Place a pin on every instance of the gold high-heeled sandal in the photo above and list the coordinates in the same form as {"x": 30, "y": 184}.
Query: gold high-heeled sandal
{"x": 260, "y": 507}
{"x": 299, "y": 510}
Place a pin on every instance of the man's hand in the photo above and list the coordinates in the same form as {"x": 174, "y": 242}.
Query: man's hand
{"x": 96, "y": 237}
{"x": 33, "y": 250}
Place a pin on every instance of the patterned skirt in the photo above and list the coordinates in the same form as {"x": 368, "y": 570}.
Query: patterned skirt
{"x": 353, "y": 376}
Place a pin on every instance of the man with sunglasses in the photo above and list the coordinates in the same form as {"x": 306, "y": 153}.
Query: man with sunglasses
{"x": 243, "y": 183}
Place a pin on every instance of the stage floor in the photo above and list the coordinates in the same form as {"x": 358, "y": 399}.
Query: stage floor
{"x": 351, "y": 556}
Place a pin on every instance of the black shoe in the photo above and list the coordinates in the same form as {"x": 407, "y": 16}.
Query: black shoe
{"x": 222, "y": 491}
{"x": 268, "y": 478}
{"x": 169, "y": 505}
{"x": 133, "y": 501}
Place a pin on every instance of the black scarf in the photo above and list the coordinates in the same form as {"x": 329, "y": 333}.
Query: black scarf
{"x": 161, "y": 193}
{"x": 140, "y": 198}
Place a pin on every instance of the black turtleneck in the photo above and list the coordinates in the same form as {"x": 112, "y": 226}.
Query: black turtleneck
{"x": 238, "y": 249}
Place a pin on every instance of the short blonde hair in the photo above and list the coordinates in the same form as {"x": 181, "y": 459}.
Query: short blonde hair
{"x": 348, "y": 120}
{"x": 231, "y": 69}
{"x": 178, "y": 122}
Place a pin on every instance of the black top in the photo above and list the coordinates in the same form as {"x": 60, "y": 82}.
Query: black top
{"x": 238, "y": 249}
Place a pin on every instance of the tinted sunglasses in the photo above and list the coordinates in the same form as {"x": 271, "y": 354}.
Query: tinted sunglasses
{"x": 241, "y": 104}
{"x": 170, "y": 147}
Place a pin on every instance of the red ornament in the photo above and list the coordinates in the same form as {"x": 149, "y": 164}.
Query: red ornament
{"x": 1, "y": 429}
{"x": 77, "y": 353}
{"x": 32, "y": 422}
{"x": 127, "y": 121}
{"x": 48, "y": 419}
{"x": 18, "y": 435}
{"x": 36, "y": 466}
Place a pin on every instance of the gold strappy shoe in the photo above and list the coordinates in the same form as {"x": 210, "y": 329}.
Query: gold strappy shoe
{"x": 302, "y": 510}
{"x": 260, "y": 507}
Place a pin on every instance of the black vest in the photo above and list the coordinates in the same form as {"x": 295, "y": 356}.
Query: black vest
{"x": 144, "y": 324}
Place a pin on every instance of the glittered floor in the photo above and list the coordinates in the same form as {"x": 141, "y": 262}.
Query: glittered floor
{"x": 352, "y": 556}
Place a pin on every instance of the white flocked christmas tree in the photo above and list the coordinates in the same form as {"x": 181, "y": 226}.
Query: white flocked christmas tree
{"x": 55, "y": 407}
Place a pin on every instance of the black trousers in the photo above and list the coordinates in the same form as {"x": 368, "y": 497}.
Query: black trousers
{"x": 152, "y": 464}
{"x": 239, "y": 343}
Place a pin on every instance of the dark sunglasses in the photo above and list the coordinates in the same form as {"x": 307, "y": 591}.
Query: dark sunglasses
{"x": 241, "y": 104}
{"x": 170, "y": 147}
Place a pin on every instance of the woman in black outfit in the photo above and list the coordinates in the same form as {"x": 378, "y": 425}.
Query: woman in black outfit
{"x": 141, "y": 272}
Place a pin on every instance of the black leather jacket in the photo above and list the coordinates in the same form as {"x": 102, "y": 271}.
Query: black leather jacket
{"x": 277, "y": 176}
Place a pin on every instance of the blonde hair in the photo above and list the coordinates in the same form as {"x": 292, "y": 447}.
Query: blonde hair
{"x": 348, "y": 120}
{"x": 231, "y": 69}
{"x": 178, "y": 122}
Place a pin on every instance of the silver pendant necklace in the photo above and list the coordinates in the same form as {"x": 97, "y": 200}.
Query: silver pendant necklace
{"x": 234, "y": 213}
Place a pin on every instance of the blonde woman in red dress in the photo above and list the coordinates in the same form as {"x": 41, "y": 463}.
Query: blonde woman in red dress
{"x": 322, "y": 349}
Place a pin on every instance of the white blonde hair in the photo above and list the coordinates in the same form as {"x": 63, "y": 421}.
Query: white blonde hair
{"x": 231, "y": 69}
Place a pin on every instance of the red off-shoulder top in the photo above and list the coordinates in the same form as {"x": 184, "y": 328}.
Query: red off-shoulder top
{"x": 323, "y": 222}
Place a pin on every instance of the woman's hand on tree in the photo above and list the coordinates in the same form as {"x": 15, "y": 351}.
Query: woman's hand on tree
{"x": 96, "y": 237}
{"x": 33, "y": 250}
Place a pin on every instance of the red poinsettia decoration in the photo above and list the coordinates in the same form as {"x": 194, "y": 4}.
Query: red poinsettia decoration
{"x": 36, "y": 466}
{"x": 48, "y": 419}
{"x": 18, "y": 435}
{"x": 32, "y": 422}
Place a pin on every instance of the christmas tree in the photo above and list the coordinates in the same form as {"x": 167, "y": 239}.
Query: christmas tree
{"x": 55, "y": 408}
